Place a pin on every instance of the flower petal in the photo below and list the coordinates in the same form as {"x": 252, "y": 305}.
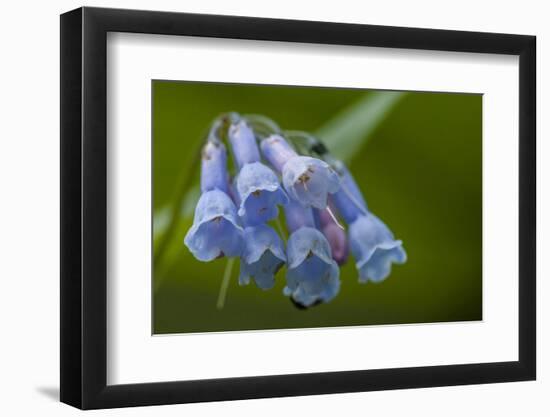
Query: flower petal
{"x": 309, "y": 181}
{"x": 277, "y": 151}
{"x": 243, "y": 143}
{"x": 298, "y": 216}
{"x": 378, "y": 267}
{"x": 262, "y": 272}
{"x": 374, "y": 248}
{"x": 258, "y": 239}
{"x": 263, "y": 255}
{"x": 215, "y": 231}
{"x": 303, "y": 243}
{"x": 338, "y": 242}
{"x": 214, "y": 167}
{"x": 312, "y": 274}
{"x": 259, "y": 193}
{"x": 312, "y": 281}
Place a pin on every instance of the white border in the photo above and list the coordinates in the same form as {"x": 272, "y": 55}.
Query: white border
{"x": 135, "y": 356}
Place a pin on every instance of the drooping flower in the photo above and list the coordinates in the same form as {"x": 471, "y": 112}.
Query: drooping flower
{"x": 372, "y": 243}
{"x": 374, "y": 248}
{"x": 257, "y": 186}
{"x": 306, "y": 179}
{"x": 310, "y": 181}
{"x": 263, "y": 255}
{"x": 259, "y": 192}
{"x": 312, "y": 275}
{"x": 215, "y": 231}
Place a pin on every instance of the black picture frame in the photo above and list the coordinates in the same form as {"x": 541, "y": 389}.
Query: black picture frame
{"x": 84, "y": 207}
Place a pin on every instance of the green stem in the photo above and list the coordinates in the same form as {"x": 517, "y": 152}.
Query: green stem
{"x": 225, "y": 283}
{"x": 280, "y": 228}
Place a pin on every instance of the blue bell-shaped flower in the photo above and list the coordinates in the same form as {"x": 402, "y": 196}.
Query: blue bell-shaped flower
{"x": 307, "y": 180}
{"x": 312, "y": 276}
{"x": 259, "y": 192}
{"x": 216, "y": 231}
{"x": 263, "y": 255}
{"x": 310, "y": 181}
{"x": 257, "y": 186}
{"x": 374, "y": 248}
{"x": 371, "y": 241}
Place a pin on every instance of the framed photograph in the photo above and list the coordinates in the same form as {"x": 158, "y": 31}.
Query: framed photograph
{"x": 258, "y": 208}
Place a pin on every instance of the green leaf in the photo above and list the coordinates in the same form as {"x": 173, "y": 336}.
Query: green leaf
{"x": 352, "y": 128}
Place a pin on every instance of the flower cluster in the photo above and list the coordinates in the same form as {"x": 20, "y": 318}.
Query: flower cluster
{"x": 235, "y": 214}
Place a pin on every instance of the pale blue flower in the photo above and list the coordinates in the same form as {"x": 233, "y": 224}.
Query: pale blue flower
{"x": 257, "y": 187}
{"x": 259, "y": 193}
{"x": 214, "y": 167}
{"x": 216, "y": 230}
{"x": 307, "y": 180}
{"x": 374, "y": 248}
{"x": 243, "y": 143}
{"x": 277, "y": 151}
{"x": 310, "y": 181}
{"x": 348, "y": 199}
{"x": 297, "y": 216}
{"x": 312, "y": 276}
{"x": 372, "y": 243}
{"x": 336, "y": 236}
{"x": 263, "y": 255}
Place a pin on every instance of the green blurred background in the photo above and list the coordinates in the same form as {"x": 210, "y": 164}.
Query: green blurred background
{"x": 418, "y": 159}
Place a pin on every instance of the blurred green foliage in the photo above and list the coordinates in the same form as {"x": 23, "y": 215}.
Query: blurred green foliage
{"x": 418, "y": 160}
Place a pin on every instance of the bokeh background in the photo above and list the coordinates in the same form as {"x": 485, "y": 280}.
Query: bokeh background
{"x": 418, "y": 159}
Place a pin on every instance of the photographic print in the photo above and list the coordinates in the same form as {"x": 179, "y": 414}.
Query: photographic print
{"x": 287, "y": 207}
{"x": 369, "y": 179}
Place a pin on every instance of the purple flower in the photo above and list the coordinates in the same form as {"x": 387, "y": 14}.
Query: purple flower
{"x": 258, "y": 188}
{"x": 216, "y": 231}
{"x": 263, "y": 255}
{"x": 335, "y": 235}
{"x": 307, "y": 180}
